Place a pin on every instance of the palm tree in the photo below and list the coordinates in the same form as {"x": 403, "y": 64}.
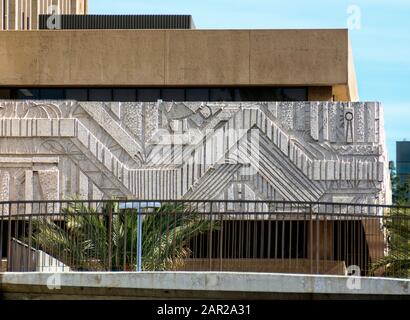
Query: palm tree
{"x": 396, "y": 263}
{"x": 87, "y": 240}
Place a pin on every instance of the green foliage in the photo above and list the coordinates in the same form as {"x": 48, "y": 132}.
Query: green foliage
{"x": 401, "y": 191}
{"x": 85, "y": 238}
{"x": 397, "y": 261}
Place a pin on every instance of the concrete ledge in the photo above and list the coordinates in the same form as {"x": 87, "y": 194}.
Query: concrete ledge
{"x": 179, "y": 58}
{"x": 191, "y": 285}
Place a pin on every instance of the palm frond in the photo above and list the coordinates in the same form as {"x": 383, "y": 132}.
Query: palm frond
{"x": 83, "y": 241}
{"x": 396, "y": 263}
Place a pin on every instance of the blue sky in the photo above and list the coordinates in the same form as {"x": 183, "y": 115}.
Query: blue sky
{"x": 381, "y": 46}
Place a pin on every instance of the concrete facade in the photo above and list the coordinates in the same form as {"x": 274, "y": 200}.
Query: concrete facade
{"x": 318, "y": 59}
{"x": 23, "y": 14}
{"x": 294, "y": 151}
{"x": 192, "y": 285}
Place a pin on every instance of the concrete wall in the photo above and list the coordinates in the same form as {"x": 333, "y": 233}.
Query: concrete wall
{"x": 301, "y": 151}
{"x": 302, "y": 266}
{"x": 178, "y": 58}
{"x": 318, "y": 93}
{"x": 28, "y": 259}
{"x": 192, "y": 285}
{"x": 23, "y": 14}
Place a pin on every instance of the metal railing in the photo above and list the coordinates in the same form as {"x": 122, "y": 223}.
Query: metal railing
{"x": 245, "y": 236}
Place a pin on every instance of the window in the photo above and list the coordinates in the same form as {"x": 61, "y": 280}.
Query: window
{"x": 76, "y": 94}
{"x": 125, "y": 95}
{"x": 100, "y": 95}
{"x": 52, "y": 94}
{"x": 5, "y": 94}
{"x": 197, "y": 94}
{"x": 173, "y": 94}
{"x": 221, "y": 94}
{"x": 257, "y": 94}
{"x": 403, "y": 151}
{"x": 166, "y": 94}
{"x": 149, "y": 95}
{"x": 403, "y": 167}
{"x": 27, "y": 94}
{"x": 295, "y": 94}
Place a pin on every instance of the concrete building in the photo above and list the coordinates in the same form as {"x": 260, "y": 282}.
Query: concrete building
{"x": 24, "y": 14}
{"x": 113, "y": 96}
{"x": 188, "y": 114}
{"x": 403, "y": 160}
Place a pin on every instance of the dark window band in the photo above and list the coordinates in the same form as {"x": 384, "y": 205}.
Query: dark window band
{"x": 155, "y": 94}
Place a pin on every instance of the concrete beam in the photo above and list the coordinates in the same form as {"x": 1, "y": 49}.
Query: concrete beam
{"x": 315, "y": 58}
{"x": 183, "y": 285}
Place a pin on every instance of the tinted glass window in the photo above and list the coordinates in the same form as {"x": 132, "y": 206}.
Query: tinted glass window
{"x": 5, "y": 94}
{"x": 28, "y": 94}
{"x": 76, "y": 94}
{"x": 258, "y": 94}
{"x": 173, "y": 94}
{"x": 100, "y": 95}
{"x": 403, "y": 151}
{"x": 295, "y": 94}
{"x": 403, "y": 167}
{"x": 126, "y": 95}
{"x": 197, "y": 94}
{"x": 166, "y": 94}
{"x": 149, "y": 95}
{"x": 52, "y": 94}
{"x": 221, "y": 94}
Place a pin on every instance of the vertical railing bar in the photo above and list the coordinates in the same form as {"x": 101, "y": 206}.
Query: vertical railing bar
{"x": 297, "y": 234}
{"x": 346, "y": 238}
{"x": 290, "y": 234}
{"x": 317, "y": 240}
{"x": 109, "y": 236}
{"x": 30, "y": 235}
{"x": 9, "y": 246}
{"x": 210, "y": 237}
{"x": 268, "y": 256}
{"x": 16, "y": 233}
{"x": 311, "y": 239}
{"x": 221, "y": 214}
{"x": 1, "y": 234}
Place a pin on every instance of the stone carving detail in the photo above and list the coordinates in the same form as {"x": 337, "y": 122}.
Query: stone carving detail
{"x": 49, "y": 184}
{"x": 4, "y": 190}
{"x": 34, "y": 109}
{"x": 349, "y": 125}
{"x": 306, "y": 151}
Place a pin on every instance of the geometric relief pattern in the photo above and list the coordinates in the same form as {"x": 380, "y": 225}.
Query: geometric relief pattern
{"x": 298, "y": 151}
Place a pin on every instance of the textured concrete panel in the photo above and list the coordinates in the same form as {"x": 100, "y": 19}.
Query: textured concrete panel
{"x": 318, "y": 58}
{"x": 296, "y": 151}
{"x": 199, "y": 285}
{"x": 319, "y": 48}
{"x": 16, "y": 10}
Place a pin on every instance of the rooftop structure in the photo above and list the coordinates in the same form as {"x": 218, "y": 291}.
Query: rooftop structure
{"x": 74, "y": 21}
{"x": 24, "y": 14}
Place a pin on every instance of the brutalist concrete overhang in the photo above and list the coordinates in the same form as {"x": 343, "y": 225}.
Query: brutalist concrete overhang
{"x": 315, "y": 58}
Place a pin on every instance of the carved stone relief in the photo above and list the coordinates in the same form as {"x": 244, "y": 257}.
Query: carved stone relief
{"x": 301, "y": 151}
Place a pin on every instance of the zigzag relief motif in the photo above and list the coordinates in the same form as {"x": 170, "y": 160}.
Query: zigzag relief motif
{"x": 203, "y": 150}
